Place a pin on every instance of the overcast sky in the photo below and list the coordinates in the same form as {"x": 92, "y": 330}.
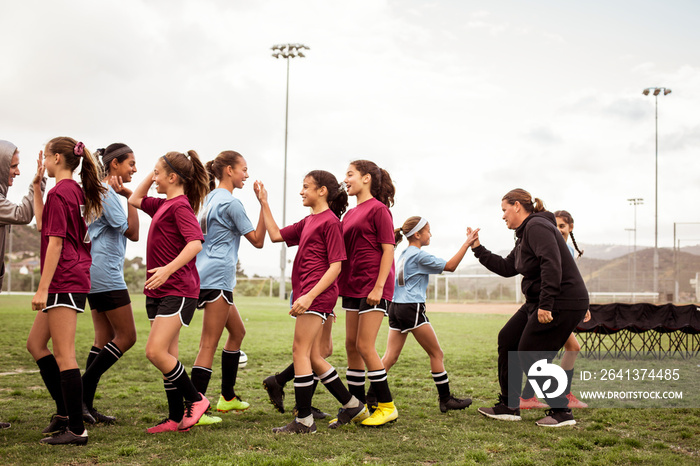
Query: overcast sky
{"x": 460, "y": 101}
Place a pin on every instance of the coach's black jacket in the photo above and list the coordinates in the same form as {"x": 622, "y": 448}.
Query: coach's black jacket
{"x": 550, "y": 276}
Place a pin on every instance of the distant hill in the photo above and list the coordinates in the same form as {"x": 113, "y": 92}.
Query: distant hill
{"x": 605, "y": 251}
{"x": 617, "y": 274}
{"x": 613, "y": 251}
{"x": 692, "y": 249}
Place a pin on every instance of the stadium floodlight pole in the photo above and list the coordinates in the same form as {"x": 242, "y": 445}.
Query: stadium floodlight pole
{"x": 286, "y": 51}
{"x": 656, "y": 91}
{"x": 629, "y": 265}
{"x": 635, "y": 201}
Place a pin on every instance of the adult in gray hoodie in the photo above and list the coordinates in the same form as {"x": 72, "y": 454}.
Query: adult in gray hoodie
{"x": 10, "y": 213}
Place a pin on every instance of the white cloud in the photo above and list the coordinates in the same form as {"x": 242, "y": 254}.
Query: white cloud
{"x": 493, "y": 29}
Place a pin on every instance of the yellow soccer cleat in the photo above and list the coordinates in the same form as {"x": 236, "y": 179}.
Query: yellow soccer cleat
{"x": 234, "y": 404}
{"x": 385, "y": 412}
{"x": 207, "y": 420}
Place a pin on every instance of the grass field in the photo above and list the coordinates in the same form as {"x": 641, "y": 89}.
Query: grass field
{"x": 133, "y": 392}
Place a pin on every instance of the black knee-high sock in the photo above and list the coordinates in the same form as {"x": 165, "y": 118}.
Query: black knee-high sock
{"x": 316, "y": 380}
{"x": 51, "y": 374}
{"x": 109, "y": 355}
{"x": 528, "y": 391}
{"x": 569, "y": 377}
{"x": 381, "y": 385}
{"x": 303, "y": 392}
{"x": 178, "y": 376}
{"x": 94, "y": 351}
{"x": 200, "y": 378}
{"x": 229, "y": 372}
{"x": 370, "y": 394}
{"x": 356, "y": 383}
{"x": 72, "y": 388}
{"x": 286, "y": 375}
{"x": 335, "y": 386}
{"x": 176, "y": 407}
{"x": 442, "y": 382}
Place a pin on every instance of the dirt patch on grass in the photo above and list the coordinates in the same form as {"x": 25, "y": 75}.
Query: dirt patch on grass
{"x": 20, "y": 371}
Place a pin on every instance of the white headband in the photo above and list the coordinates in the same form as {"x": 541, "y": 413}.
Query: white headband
{"x": 419, "y": 226}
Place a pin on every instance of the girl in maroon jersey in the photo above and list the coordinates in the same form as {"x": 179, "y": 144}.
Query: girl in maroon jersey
{"x": 367, "y": 282}
{"x": 316, "y": 268}
{"x": 172, "y": 283}
{"x": 65, "y": 282}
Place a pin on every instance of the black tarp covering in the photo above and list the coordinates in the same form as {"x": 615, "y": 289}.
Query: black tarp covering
{"x": 642, "y": 317}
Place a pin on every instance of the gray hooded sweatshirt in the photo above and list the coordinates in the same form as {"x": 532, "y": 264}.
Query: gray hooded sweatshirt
{"x": 10, "y": 213}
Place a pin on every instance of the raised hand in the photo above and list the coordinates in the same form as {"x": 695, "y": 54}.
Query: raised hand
{"x": 39, "y": 168}
{"x": 260, "y": 191}
{"x": 473, "y": 237}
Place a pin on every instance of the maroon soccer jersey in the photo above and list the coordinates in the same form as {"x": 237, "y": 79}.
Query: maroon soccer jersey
{"x": 174, "y": 225}
{"x": 63, "y": 217}
{"x": 365, "y": 228}
{"x": 320, "y": 241}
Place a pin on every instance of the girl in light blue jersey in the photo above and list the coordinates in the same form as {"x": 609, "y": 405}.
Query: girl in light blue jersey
{"x": 223, "y": 220}
{"x": 407, "y": 309}
{"x": 109, "y": 299}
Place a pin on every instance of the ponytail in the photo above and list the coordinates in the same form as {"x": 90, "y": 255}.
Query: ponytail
{"x": 191, "y": 173}
{"x": 73, "y": 152}
{"x": 211, "y": 174}
{"x": 197, "y": 187}
{"x": 338, "y": 200}
{"x": 92, "y": 186}
{"x": 398, "y": 237}
{"x": 337, "y": 196}
{"x": 538, "y": 205}
{"x": 104, "y": 171}
{"x": 381, "y": 186}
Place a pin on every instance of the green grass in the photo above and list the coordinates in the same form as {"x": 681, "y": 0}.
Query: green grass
{"x": 133, "y": 392}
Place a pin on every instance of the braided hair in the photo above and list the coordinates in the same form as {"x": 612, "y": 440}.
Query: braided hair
{"x": 566, "y": 216}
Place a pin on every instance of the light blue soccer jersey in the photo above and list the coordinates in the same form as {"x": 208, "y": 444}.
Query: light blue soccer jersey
{"x": 413, "y": 271}
{"x": 223, "y": 221}
{"x": 108, "y": 245}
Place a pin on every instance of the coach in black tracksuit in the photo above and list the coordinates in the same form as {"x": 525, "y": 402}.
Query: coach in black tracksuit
{"x": 556, "y": 299}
